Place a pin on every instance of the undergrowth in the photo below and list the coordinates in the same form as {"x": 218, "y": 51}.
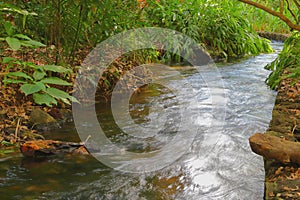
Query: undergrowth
{"x": 287, "y": 64}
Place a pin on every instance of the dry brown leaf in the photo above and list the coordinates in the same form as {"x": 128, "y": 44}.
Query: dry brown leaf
{"x": 278, "y": 171}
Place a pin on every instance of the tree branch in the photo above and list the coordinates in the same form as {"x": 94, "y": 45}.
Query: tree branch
{"x": 297, "y": 3}
{"x": 274, "y": 13}
{"x": 290, "y": 10}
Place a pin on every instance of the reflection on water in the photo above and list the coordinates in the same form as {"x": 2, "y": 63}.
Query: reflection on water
{"x": 218, "y": 165}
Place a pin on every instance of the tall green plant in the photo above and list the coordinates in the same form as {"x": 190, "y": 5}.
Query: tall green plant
{"x": 219, "y": 25}
{"x": 13, "y": 39}
{"x": 37, "y": 81}
{"x": 288, "y": 61}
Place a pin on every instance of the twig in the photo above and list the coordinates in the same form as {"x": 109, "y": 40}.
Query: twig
{"x": 274, "y": 13}
{"x": 295, "y": 126}
{"x": 290, "y": 10}
{"x": 17, "y": 129}
{"x": 88, "y": 137}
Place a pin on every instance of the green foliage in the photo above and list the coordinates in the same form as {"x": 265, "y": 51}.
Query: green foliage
{"x": 219, "y": 25}
{"x": 229, "y": 35}
{"x": 36, "y": 80}
{"x": 16, "y": 40}
{"x": 9, "y": 8}
{"x": 263, "y": 21}
{"x": 222, "y": 25}
{"x": 287, "y": 61}
{"x": 72, "y": 24}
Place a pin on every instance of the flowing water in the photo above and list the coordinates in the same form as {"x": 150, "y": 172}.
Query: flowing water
{"x": 218, "y": 164}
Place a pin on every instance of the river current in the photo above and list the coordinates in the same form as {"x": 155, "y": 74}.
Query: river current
{"x": 218, "y": 163}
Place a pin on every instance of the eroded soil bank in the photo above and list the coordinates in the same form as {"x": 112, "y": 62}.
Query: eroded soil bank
{"x": 282, "y": 181}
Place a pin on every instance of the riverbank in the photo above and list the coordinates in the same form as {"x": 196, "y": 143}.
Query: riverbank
{"x": 273, "y": 36}
{"x": 282, "y": 180}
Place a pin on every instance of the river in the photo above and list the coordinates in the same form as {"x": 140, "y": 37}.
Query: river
{"x": 218, "y": 164}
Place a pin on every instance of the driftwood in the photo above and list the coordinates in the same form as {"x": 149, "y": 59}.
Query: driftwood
{"x": 275, "y": 148}
{"x": 49, "y": 147}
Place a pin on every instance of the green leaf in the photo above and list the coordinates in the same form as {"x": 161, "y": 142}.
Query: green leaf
{"x": 31, "y": 88}
{"x": 7, "y": 143}
{"x": 33, "y": 66}
{"x": 38, "y": 75}
{"x": 9, "y": 80}
{"x": 21, "y": 36}
{"x": 6, "y": 151}
{"x": 41, "y": 85}
{"x": 55, "y": 80}
{"x": 12, "y": 8}
{"x": 73, "y": 99}
{"x": 13, "y": 43}
{"x": 57, "y": 93}
{"x": 19, "y": 74}
{"x": 8, "y": 28}
{"x": 61, "y": 95}
{"x": 66, "y": 101}
{"x": 8, "y": 59}
{"x": 32, "y": 43}
{"x": 44, "y": 99}
{"x": 56, "y": 68}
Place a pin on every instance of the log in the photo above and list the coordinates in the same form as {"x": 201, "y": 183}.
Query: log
{"x": 274, "y": 147}
{"x": 38, "y": 148}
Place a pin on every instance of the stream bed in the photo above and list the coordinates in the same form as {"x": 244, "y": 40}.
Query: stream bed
{"x": 219, "y": 163}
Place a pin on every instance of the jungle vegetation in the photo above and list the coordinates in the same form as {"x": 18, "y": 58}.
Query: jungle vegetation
{"x": 70, "y": 29}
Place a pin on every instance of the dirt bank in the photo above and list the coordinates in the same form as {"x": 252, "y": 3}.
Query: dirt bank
{"x": 282, "y": 181}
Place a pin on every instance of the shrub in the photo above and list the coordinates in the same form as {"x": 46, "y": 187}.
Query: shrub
{"x": 287, "y": 61}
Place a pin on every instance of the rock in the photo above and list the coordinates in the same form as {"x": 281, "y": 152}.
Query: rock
{"x": 38, "y": 148}
{"x": 38, "y": 116}
{"x": 273, "y": 147}
{"x": 273, "y": 36}
{"x": 42, "y": 121}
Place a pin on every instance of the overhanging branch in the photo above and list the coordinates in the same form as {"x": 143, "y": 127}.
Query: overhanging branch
{"x": 297, "y": 4}
{"x": 274, "y": 13}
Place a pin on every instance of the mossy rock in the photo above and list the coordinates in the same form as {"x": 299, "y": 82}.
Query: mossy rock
{"x": 42, "y": 121}
{"x": 38, "y": 116}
